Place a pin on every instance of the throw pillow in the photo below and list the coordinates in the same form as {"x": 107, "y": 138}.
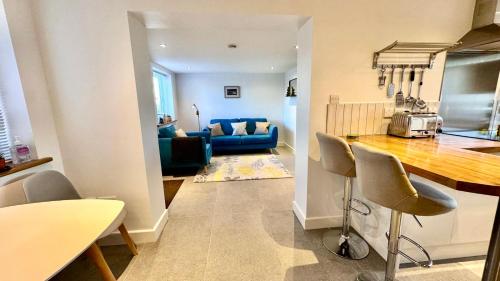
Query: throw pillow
{"x": 215, "y": 130}
{"x": 239, "y": 129}
{"x": 167, "y": 132}
{"x": 261, "y": 128}
{"x": 180, "y": 133}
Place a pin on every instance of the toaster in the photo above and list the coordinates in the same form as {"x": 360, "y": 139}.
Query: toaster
{"x": 413, "y": 125}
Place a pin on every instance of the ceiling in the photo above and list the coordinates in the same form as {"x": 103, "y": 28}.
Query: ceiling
{"x": 198, "y": 42}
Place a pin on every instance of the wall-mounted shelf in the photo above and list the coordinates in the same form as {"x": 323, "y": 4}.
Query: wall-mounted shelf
{"x": 407, "y": 50}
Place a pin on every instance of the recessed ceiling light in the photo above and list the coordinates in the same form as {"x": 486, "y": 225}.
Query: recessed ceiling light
{"x": 297, "y": 47}
{"x": 163, "y": 45}
{"x": 272, "y": 67}
{"x": 232, "y": 46}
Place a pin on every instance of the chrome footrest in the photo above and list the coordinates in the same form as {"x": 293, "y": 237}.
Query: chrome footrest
{"x": 369, "y": 210}
{"x": 426, "y": 264}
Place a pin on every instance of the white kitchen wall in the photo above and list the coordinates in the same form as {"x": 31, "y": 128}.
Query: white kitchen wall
{"x": 289, "y": 112}
{"x": 261, "y": 96}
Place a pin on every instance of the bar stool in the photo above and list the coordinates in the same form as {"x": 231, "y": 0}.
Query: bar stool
{"x": 384, "y": 181}
{"x": 337, "y": 158}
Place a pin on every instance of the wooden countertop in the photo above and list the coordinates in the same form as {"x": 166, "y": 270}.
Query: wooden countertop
{"x": 449, "y": 160}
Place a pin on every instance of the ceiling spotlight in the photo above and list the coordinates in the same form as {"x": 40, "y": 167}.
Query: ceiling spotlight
{"x": 232, "y": 46}
{"x": 163, "y": 45}
{"x": 272, "y": 67}
{"x": 297, "y": 47}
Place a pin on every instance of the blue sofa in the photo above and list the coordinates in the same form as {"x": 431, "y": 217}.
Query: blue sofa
{"x": 165, "y": 137}
{"x": 228, "y": 142}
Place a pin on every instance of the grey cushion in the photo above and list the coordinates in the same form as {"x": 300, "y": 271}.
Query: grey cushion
{"x": 437, "y": 201}
{"x": 383, "y": 180}
{"x": 49, "y": 186}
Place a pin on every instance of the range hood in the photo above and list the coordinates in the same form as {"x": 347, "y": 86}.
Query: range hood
{"x": 485, "y": 34}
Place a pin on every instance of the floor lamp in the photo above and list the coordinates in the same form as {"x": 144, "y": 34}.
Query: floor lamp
{"x": 197, "y": 112}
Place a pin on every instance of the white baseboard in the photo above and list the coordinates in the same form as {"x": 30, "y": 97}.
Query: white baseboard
{"x": 323, "y": 222}
{"x": 299, "y": 214}
{"x": 289, "y": 146}
{"x": 138, "y": 235}
{"x": 316, "y": 222}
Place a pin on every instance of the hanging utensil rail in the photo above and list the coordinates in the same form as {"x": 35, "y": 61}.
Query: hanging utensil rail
{"x": 430, "y": 49}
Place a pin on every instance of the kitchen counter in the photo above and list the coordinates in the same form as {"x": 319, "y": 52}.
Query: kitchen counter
{"x": 456, "y": 162}
{"x": 452, "y": 164}
{"x": 487, "y": 135}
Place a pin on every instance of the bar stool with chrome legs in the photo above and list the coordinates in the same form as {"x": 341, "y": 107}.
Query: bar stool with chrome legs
{"x": 337, "y": 158}
{"x": 384, "y": 181}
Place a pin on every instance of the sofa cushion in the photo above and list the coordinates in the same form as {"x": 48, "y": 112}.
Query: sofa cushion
{"x": 256, "y": 139}
{"x": 239, "y": 129}
{"x": 167, "y": 132}
{"x": 225, "y": 124}
{"x": 226, "y": 140}
{"x": 251, "y": 123}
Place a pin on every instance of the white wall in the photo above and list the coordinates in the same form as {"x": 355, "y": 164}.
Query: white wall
{"x": 85, "y": 45}
{"x": 28, "y": 99}
{"x": 289, "y": 112}
{"x": 11, "y": 89}
{"x": 152, "y": 191}
{"x": 261, "y": 96}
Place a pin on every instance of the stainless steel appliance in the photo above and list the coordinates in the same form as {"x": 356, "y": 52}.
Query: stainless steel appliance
{"x": 485, "y": 34}
{"x": 413, "y": 125}
{"x": 469, "y": 95}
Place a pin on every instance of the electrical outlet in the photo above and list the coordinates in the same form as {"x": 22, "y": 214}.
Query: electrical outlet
{"x": 388, "y": 112}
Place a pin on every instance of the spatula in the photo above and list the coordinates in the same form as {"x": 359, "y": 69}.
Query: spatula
{"x": 410, "y": 101}
{"x": 390, "y": 88}
{"x": 420, "y": 103}
{"x": 400, "y": 98}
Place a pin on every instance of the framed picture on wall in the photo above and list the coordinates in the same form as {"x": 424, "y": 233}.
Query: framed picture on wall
{"x": 231, "y": 92}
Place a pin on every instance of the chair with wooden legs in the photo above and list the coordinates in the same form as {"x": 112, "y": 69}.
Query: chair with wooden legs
{"x": 384, "y": 181}
{"x": 337, "y": 158}
{"x": 53, "y": 186}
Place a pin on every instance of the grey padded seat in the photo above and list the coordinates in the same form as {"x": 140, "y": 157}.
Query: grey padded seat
{"x": 337, "y": 158}
{"x": 383, "y": 180}
{"x": 53, "y": 186}
{"x": 437, "y": 202}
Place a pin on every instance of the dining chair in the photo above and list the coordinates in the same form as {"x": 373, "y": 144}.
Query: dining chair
{"x": 53, "y": 186}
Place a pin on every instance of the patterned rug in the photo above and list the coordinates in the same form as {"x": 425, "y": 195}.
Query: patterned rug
{"x": 243, "y": 167}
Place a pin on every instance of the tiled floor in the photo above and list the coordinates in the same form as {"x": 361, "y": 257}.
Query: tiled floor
{"x": 246, "y": 230}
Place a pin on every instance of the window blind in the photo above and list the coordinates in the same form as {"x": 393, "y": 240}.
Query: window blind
{"x": 5, "y": 141}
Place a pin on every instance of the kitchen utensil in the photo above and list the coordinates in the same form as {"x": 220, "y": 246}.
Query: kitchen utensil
{"x": 390, "y": 88}
{"x": 400, "y": 98}
{"x": 381, "y": 78}
{"x": 420, "y": 103}
{"x": 410, "y": 101}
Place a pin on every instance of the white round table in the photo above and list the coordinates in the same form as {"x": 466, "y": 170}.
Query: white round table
{"x": 38, "y": 240}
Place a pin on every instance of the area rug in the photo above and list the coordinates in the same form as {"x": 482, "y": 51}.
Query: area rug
{"x": 243, "y": 167}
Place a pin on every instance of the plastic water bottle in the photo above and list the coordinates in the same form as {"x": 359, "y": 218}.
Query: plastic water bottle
{"x": 20, "y": 152}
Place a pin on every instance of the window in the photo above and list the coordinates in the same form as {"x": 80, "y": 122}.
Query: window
{"x": 162, "y": 86}
{"x": 4, "y": 132}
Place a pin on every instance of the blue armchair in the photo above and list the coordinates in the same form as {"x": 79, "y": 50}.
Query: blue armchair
{"x": 166, "y": 137}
